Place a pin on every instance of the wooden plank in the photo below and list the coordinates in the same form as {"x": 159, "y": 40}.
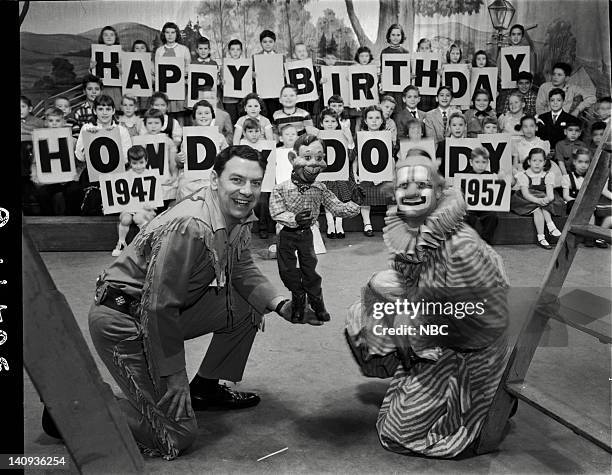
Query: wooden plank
{"x": 593, "y": 231}
{"x": 586, "y": 427}
{"x": 66, "y": 377}
{"x": 546, "y": 303}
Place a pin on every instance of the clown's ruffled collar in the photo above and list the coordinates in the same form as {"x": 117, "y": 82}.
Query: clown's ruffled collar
{"x": 415, "y": 243}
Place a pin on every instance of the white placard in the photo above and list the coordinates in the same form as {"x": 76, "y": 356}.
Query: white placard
{"x": 395, "y": 72}
{"x": 136, "y": 77}
{"x": 237, "y": 77}
{"x": 499, "y": 147}
{"x": 363, "y": 85}
{"x": 484, "y": 78}
{"x": 337, "y": 157}
{"x": 201, "y": 76}
{"x": 425, "y": 68}
{"x": 514, "y": 59}
{"x": 53, "y": 155}
{"x": 457, "y": 77}
{"x": 301, "y": 75}
{"x": 268, "y": 150}
{"x": 169, "y": 77}
{"x": 103, "y": 152}
{"x": 158, "y": 152}
{"x": 375, "y": 156}
{"x": 283, "y": 165}
{"x": 130, "y": 191}
{"x": 269, "y": 75}
{"x": 483, "y": 191}
{"x": 201, "y": 146}
{"x": 107, "y": 58}
{"x": 336, "y": 82}
{"x": 457, "y": 155}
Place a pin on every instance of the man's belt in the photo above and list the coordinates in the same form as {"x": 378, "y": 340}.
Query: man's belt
{"x": 117, "y": 300}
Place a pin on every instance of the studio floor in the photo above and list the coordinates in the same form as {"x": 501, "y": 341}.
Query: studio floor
{"x": 316, "y": 402}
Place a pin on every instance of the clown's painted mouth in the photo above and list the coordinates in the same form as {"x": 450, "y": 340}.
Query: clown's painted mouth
{"x": 407, "y": 202}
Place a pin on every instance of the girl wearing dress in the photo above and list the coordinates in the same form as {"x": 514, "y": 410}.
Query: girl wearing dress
{"x": 507, "y": 122}
{"x": 171, "y": 38}
{"x": 427, "y": 102}
{"x": 481, "y": 110}
{"x": 343, "y": 189}
{"x": 537, "y": 197}
{"x": 108, "y": 36}
{"x": 374, "y": 195}
{"x": 395, "y": 37}
{"x": 481, "y": 59}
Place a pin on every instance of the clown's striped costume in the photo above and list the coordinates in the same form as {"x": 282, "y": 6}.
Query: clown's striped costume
{"x": 442, "y": 387}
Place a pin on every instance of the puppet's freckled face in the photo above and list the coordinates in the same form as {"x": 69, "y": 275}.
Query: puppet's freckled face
{"x": 415, "y": 191}
{"x": 310, "y": 162}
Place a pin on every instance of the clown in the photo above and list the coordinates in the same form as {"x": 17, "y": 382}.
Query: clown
{"x": 295, "y": 204}
{"x": 443, "y": 380}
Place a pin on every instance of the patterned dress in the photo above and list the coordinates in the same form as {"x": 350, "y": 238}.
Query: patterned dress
{"x": 442, "y": 387}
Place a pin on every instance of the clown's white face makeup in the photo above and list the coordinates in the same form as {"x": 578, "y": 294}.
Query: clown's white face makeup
{"x": 309, "y": 162}
{"x": 414, "y": 191}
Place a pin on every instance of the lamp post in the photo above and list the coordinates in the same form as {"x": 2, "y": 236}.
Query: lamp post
{"x": 501, "y": 13}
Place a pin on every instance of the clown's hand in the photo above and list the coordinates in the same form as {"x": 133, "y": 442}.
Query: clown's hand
{"x": 303, "y": 219}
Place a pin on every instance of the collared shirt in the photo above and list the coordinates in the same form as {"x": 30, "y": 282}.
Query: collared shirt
{"x": 286, "y": 201}
{"x": 172, "y": 262}
{"x": 208, "y": 61}
{"x": 300, "y": 119}
{"x": 571, "y": 92}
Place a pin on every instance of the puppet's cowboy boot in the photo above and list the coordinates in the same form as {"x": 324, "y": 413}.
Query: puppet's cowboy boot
{"x": 319, "y": 308}
{"x": 297, "y": 308}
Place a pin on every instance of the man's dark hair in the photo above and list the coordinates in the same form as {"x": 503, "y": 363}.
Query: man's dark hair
{"x": 305, "y": 139}
{"x": 90, "y": 78}
{"x": 555, "y": 91}
{"x": 525, "y": 75}
{"x": 600, "y": 125}
{"x": 566, "y": 68}
{"x": 241, "y": 151}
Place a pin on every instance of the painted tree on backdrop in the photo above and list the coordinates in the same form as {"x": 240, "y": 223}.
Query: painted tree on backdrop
{"x": 336, "y": 38}
{"x": 403, "y": 12}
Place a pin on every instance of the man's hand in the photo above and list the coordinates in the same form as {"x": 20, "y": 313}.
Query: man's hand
{"x": 177, "y": 391}
{"x": 303, "y": 219}
{"x": 285, "y": 310}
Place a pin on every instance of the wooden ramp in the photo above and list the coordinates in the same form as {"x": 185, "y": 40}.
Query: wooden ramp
{"x": 67, "y": 379}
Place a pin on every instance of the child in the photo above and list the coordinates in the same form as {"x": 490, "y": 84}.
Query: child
{"x": 457, "y": 127}
{"x": 63, "y": 104}
{"x": 552, "y": 123}
{"x": 300, "y": 51}
{"x": 203, "y": 115}
{"x": 395, "y": 38}
{"x": 170, "y": 126}
{"x": 222, "y": 118}
{"x": 454, "y": 54}
{"x": 336, "y": 103}
{"x": 597, "y": 133}
{"x": 536, "y": 196}
{"x": 231, "y": 104}
{"x": 484, "y": 222}
{"x": 295, "y": 204}
{"x": 564, "y": 149}
{"x": 203, "y": 53}
{"x": 267, "y": 40}
{"x": 291, "y": 114}
{"x": 374, "y": 195}
{"x": 516, "y": 37}
{"x": 414, "y": 129}
{"x": 524, "y": 82}
{"x": 92, "y": 88}
{"x": 571, "y": 183}
{"x": 481, "y": 60}
{"x": 104, "y": 111}
{"x": 387, "y": 104}
{"x": 489, "y": 126}
{"x": 436, "y": 121}
{"x": 252, "y": 106}
{"x": 476, "y": 116}
{"x": 108, "y": 36}
{"x": 140, "y": 46}
{"x": 411, "y": 99}
{"x": 28, "y": 121}
{"x": 575, "y": 99}
{"x": 603, "y": 109}
{"x": 129, "y": 119}
{"x": 153, "y": 122}
{"x": 428, "y": 102}
{"x": 142, "y": 214}
{"x": 343, "y": 189}
{"x": 252, "y": 135}
{"x": 170, "y": 37}
{"x": 509, "y": 121}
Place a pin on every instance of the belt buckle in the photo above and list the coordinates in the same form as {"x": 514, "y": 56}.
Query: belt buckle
{"x": 101, "y": 291}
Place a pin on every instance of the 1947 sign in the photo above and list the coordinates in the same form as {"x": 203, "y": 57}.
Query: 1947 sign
{"x": 130, "y": 191}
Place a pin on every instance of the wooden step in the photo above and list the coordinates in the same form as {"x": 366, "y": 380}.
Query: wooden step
{"x": 99, "y": 233}
{"x": 592, "y": 231}
{"x": 592, "y": 430}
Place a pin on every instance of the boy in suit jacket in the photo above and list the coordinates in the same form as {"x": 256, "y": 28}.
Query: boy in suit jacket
{"x": 410, "y": 111}
{"x": 436, "y": 121}
{"x": 551, "y": 125}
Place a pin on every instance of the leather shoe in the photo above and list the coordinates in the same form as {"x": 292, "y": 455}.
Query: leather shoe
{"x": 331, "y": 236}
{"x": 319, "y": 308}
{"x": 340, "y": 236}
{"x": 222, "y": 397}
{"x": 298, "y": 307}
